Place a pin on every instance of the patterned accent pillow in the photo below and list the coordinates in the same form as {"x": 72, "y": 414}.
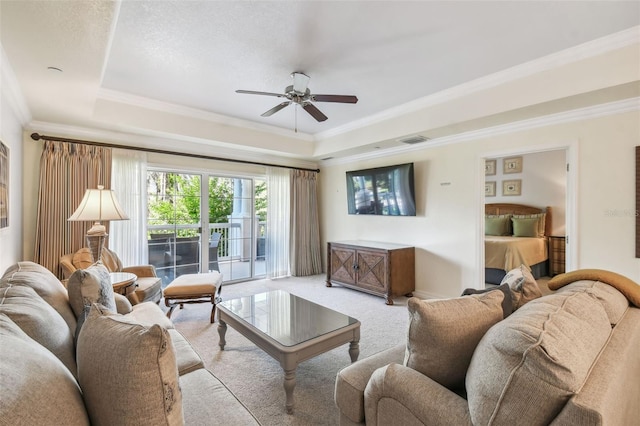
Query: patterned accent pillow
{"x": 507, "y": 302}
{"x": 524, "y": 287}
{"x": 128, "y": 371}
{"x": 89, "y": 286}
{"x": 444, "y": 333}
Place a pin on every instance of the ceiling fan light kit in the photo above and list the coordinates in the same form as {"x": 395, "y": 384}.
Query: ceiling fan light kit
{"x": 299, "y": 94}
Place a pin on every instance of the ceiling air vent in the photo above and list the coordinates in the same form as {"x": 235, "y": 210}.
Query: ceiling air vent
{"x": 413, "y": 139}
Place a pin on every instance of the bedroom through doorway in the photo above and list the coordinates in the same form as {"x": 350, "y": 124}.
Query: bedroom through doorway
{"x": 525, "y": 213}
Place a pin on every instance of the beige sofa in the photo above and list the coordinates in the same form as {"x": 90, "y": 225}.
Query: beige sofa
{"x": 130, "y": 368}
{"x": 571, "y": 357}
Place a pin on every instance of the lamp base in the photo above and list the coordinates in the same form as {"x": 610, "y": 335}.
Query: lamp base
{"x": 95, "y": 243}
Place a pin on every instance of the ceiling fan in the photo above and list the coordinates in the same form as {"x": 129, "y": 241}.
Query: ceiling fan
{"x": 298, "y": 93}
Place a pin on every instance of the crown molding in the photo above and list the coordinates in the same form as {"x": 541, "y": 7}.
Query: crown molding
{"x": 10, "y": 87}
{"x": 603, "y": 110}
{"x": 162, "y": 142}
{"x": 156, "y": 105}
{"x": 573, "y": 54}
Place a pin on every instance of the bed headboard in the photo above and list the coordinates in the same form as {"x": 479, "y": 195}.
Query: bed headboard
{"x": 506, "y": 208}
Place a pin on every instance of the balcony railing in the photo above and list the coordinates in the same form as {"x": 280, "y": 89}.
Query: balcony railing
{"x": 174, "y": 250}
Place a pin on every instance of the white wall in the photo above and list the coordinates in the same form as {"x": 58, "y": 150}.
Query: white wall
{"x": 11, "y": 135}
{"x": 544, "y": 179}
{"x": 445, "y": 231}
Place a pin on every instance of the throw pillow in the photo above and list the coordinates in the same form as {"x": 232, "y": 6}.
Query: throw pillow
{"x": 88, "y": 286}
{"x": 496, "y": 226}
{"x": 524, "y": 287}
{"x": 39, "y": 321}
{"x": 529, "y": 365}
{"x": 501, "y": 216}
{"x": 525, "y": 227}
{"x": 444, "y": 333}
{"x": 127, "y": 371}
{"x": 507, "y": 302}
{"x": 36, "y": 388}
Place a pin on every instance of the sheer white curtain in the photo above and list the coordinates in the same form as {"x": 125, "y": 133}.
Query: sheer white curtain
{"x": 278, "y": 222}
{"x": 127, "y": 238}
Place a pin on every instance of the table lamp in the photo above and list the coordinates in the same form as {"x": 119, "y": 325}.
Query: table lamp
{"x": 98, "y": 205}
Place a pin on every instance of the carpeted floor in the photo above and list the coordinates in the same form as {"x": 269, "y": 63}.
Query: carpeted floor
{"x": 256, "y": 378}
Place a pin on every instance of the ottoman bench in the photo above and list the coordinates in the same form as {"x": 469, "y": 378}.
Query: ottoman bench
{"x": 193, "y": 288}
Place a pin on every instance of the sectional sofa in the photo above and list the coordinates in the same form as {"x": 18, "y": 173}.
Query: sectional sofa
{"x": 125, "y": 368}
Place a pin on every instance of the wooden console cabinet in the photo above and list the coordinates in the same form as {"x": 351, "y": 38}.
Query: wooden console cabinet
{"x": 383, "y": 269}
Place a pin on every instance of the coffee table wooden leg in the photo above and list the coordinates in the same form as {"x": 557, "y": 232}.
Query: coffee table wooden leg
{"x": 222, "y": 330}
{"x": 289, "y": 385}
{"x": 354, "y": 350}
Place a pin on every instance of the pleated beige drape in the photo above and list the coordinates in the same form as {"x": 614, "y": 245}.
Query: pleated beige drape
{"x": 66, "y": 171}
{"x": 306, "y": 254}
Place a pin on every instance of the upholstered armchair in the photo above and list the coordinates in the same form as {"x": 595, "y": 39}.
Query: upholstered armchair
{"x": 148, "y": 285}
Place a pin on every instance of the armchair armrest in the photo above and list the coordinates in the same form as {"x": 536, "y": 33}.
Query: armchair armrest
{"x": 406, "y": 396}
{"x": 352, "y": 380}
{"x": 141, "y": 270}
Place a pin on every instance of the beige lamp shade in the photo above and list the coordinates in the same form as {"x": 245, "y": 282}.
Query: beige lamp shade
{"x": 98, "y": 205}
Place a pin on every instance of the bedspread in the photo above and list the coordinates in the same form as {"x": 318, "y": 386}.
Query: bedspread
{"x": 507, "y": 253}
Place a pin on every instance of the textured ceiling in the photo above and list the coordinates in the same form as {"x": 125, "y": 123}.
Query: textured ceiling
{"x": 195, "y": 54}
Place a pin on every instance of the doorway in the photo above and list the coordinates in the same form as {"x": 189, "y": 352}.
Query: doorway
{"x": 542, "y": 177}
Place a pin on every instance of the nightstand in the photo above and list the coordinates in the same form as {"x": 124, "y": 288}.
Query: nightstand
{"x": 557, "y": 246}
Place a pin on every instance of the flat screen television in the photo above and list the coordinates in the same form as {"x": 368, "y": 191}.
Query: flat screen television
{"x": 385, "y": 191}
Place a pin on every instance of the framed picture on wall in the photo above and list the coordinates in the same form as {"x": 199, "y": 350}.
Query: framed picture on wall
{"x": 490, "y": 189}
{"x": 512, "y": 187}
{"x": 489, "y": 167}
{"x": 512, "y": 165}
{"x": 4, "y": 185}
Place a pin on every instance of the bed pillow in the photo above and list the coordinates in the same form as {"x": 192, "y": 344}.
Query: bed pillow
{"x": 444, "y": 333}
{"x": 499, "y": 216}
{"x": 525, "y": 227}
{"x": 542, "y": 218}
{"x": 497, "y": 226}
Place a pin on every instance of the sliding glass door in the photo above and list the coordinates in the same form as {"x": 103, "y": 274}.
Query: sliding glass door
{"x": 199, "y": 223}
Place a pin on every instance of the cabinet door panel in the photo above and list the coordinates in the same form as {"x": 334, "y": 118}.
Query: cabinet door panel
{"x": 342, "y": 261}
{"x": 372, "y": 270}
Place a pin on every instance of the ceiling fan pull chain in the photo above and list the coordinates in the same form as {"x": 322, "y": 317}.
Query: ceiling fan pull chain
{"x": 295, "y": 114}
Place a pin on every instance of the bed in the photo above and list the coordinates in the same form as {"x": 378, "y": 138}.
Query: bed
{"x": 515, "y": 234}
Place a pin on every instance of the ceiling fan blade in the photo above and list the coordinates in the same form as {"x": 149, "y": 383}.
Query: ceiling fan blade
{"x": 253, "y": 92}
{"x": 314, "y": 112}
{"x": 345, "y": 99}
{"x": 275, "y": 109}
{"x": 300, "y": 82}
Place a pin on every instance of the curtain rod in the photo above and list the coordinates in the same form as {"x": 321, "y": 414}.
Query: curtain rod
{"x": 36, "y": 137}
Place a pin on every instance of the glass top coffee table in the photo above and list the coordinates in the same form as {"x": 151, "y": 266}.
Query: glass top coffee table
{"x": 288, "y": 328}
